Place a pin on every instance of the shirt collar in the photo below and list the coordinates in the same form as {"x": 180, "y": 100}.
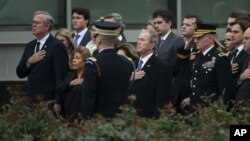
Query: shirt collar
{"x": 165, "y": 36}
{"x": 43, "y": 40}
{"x": 145, "y": 59}
{"x": 82, "y": 33}
{"x": 240, "y": 48}
{"x": 207, "y": 50}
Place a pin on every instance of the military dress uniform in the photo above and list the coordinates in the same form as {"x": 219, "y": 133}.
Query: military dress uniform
{"x": 211, "y": 74}
{"x": 182, "y": 75}
{"x": 106, "y": 79}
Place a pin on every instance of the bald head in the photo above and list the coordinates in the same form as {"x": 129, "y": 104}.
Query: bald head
{"x": 246, "y": 40}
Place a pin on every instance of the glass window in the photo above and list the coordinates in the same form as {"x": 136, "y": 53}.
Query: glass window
{"x": 16, "y": 15}
{"x": 214, "y": 11}
{"x": 136, "y": 13}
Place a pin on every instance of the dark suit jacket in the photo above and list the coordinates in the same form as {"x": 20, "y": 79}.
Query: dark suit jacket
{"x": 243, "y": 92}
{"x": 86, "y": 38}
{"x": 153, "y": 90}
{"x": 241, "y": 57}
{"x": 45, "y": 75}
{"x": 167, "y": 52}
{"x": 106, "y": 83}
{"x": 211, "y": 77}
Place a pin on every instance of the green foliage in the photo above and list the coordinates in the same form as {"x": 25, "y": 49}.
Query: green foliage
{"x": 21, "y": 123}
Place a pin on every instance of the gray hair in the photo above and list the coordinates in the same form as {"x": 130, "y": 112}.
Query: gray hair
{"x": 153, "y": 37}
{"x": 117, "y": 18}
{"x": 48, "y": 19}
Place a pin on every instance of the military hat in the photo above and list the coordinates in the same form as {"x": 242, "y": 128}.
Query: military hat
{"x": 106, "y": 28}
{"x": 202, "y": 29}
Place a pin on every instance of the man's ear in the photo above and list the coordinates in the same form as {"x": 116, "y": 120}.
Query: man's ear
{"x": 152, "y": 46}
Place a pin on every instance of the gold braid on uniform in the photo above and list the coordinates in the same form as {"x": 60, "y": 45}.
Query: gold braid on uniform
{"x": 93, "y": 59}
{"x": 182, "y": 56}
{"x": 222, "y": 54}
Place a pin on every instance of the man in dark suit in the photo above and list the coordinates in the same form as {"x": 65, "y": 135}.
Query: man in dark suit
{"x": 152, "y": 85}
{"x": 244, "y": 81}
{"x": 80, "y": 22}
{"x": 106, "y": 77}
{"x": 211, "y": 71}
{"x": 239, "y": 56}
{"x": 169, "y": 42}
{"x": 44, "y": 61}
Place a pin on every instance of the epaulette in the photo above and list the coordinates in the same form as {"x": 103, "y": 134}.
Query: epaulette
{"x": 222, "y": 54}
{"x": 182, "y": 56}
{"x": 92, "y": 61}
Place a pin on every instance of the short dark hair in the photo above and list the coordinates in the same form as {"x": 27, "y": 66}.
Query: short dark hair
{"x": 164, "y": 14}
{"x": 198, "y": 19}
{"x": 236, "y": 14}
{"x": 82, "y": 11}
{"x": 244, "y": 24}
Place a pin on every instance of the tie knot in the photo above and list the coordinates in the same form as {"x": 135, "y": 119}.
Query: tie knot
{"x": 76, "y": 39}
{"x": 140, "y": 64}
{"x": 37, "y": 46}
{"x": 236, "y": 51}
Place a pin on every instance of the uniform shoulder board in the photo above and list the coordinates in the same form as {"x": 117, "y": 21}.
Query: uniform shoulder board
{"x": 92, "y": 61}
{"x": 222, "y": 54}
{"x": 129, "y": 59}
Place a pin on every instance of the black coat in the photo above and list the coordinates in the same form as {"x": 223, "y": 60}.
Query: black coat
{"x": 45, "y": 75}
{"x": 182, "y": 75}
{"x": 71, "y": 95}
{"x": 243, "y": 92}
{"x": 106, "y": 82}
{"x": 153, "y": 90}
{"x": 241, "y": 57}
{"x": 211, "y": 77}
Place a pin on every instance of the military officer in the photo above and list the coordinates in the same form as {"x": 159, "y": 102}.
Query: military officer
{"x": 106, "y": 77}
{"x": 211, "y": 71}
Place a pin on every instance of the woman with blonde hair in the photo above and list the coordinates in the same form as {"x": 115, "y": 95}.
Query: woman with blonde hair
{"x": 71, "y": 87}
{"x": 64, "y": 35}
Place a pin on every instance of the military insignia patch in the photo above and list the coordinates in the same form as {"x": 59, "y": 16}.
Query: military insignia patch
{"x": 222, "y": 54}
{"x": 209, "y": 64}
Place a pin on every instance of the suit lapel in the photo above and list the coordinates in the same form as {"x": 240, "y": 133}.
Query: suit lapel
{"x": 45, "y": 45}
{"x": 149, "y": 63}
{"x": 165, "y": 45}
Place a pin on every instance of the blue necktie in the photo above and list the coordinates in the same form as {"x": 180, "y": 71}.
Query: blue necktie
{"x": 140, "y": 65}
{"x": 76, "y": 39}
